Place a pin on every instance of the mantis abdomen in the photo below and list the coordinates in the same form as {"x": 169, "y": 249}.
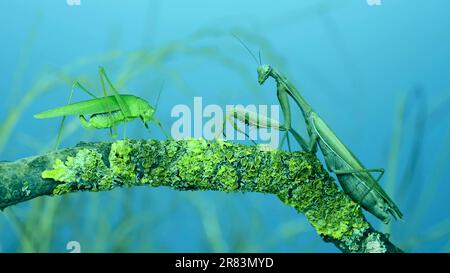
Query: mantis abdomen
{"x": 361, "y": 187}
{"x": 356, "y": 181}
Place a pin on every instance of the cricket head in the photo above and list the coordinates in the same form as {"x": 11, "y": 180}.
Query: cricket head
{"x": 146, "y": 114}
{"x": 263, "y": 72}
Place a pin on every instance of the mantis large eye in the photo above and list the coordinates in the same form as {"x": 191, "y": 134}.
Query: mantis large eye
{"x": 263, "y": 73}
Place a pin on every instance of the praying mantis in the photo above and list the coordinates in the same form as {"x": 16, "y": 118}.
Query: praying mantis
{"x": 105, "y": 112}
{"x": 356, "y": 180}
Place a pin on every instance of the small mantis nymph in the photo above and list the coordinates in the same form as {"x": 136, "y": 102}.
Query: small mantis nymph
{"x": 356, "y": 180}
{"x": 105, "y": 112}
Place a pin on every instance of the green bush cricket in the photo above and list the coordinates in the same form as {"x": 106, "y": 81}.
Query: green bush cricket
{"x": 105, "y": 112}
{"x": 356, "y": 180}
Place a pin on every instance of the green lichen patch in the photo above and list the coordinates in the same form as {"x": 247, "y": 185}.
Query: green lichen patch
{"x": 154, "y": 161}
{"x": 352, "y": 243}
{"x": 311, "y": 191}
{"x": 335, "y": 216}
{"x": 120, "y": 162}
{"x": 82, "y": 172}
{"x": 60, "y": 171}
{"x": 374, "y": 244}
{"x": 207, "y": 165}
{"x": 26, "y": 188}
{"x": 196, "y": 164}
{"x": 87, "y": 170}
{"x": 227, "y": 176}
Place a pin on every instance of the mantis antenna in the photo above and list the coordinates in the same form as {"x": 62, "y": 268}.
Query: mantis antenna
{"x": 248, "y": 49}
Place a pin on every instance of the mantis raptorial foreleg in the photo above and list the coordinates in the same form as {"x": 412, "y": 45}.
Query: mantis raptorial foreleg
{"x": 286, "y": 109}
{"x": 241, "y": 115}
{"x": 249, "y": 118}
{"x": 258, "y": 121}
{"x": 283, "y": 98}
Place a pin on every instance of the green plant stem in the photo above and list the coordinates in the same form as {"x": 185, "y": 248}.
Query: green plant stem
{"x": 297, "y": 178}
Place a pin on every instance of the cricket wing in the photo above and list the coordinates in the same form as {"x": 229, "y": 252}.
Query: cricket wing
{"x": 88, "y": 107}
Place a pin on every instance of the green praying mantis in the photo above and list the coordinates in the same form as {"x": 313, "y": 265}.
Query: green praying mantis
{"x": 105, "y": 112}
{"x": 356, "y": 180}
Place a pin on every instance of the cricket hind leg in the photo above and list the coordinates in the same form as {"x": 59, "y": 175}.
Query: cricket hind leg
{"x": 122, "y": 104}
{"x": 61, "y": 124}
{"x": 84, "y": 122}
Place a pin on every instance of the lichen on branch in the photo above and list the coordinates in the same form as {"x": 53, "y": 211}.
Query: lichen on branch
{"x": 297, "y": 178}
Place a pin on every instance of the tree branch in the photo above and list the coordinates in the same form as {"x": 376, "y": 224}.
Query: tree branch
{"x": 297, "y": 178}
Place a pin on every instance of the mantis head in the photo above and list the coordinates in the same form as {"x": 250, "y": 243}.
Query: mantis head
{"x": 263, "y": 72}
{"x": 263, "y": 69}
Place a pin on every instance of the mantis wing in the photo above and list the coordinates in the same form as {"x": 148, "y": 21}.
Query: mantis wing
{"x": 330, "y": 139}
{"x": 88, "y": 107}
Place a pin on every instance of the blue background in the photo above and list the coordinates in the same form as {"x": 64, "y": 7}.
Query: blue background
{"x": 379, "y": 75}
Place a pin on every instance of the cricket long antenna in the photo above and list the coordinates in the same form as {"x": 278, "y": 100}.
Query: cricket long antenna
{"x": 159, "y": 94}
{"x": 156, "y": 106}
{"x": 246, "y": 47}
{"x": 259, "y": 55}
